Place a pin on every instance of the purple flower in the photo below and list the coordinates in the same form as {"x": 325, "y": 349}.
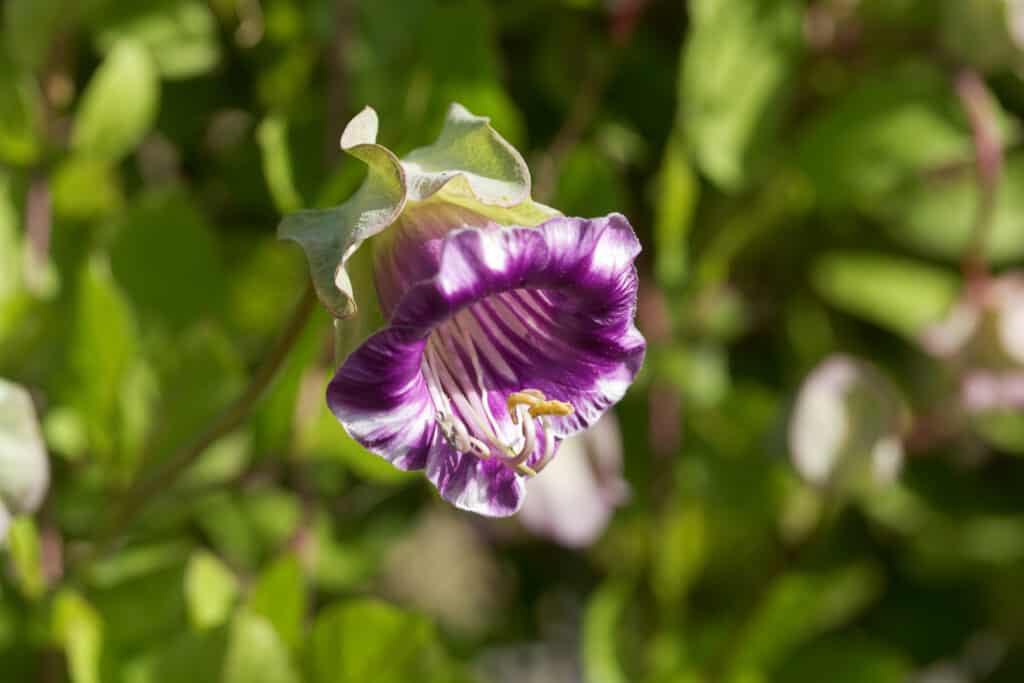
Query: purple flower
{"x": 509, "y": 327}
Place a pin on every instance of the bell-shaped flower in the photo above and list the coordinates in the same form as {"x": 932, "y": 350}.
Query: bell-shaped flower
{"x": 24, "y": 469}
{"x": 509, "y": 327}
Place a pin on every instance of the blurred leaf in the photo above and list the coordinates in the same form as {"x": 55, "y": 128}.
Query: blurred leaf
{"x": 77, "y": 627}
{"x": 29, "y": 27}
{"x": 738, "y": 59}
{"x": 85, "y": 188}
{"x": 363, "y": 640}
{"x": 589, "y": 184}
{"x": 867, "y": 143}
{"x": 322, "y": 437}
{"x": 23, "y": 541}
{"x": 200, "y": 373}
{"x": 211, "y": 590}
{"x": 119, "y": 104}
{"x": 103, "y": 354}
{"x": 255, "y": 653}
{"x": 674, "y": 205}
{"x": 681, "y": 555}
{"x": 898, "y": 294}
{"x": 279, "y": 595}
{"x": 20, "y": 112}
{"x": 186, "y": 656}
{"x": 181, "y": 35}
{"x": 277, "y": 164}
{"x": 165, "y": 257}
{"x": 797, "y": 608}
{"x": 938, "y": 215}
{"x": 845, "y": 659}
{"x": 600, "y": 657}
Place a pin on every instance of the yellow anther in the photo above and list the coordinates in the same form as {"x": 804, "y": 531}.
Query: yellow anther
{"x": 558, "y": 408}
{"x": 527, "y": 397}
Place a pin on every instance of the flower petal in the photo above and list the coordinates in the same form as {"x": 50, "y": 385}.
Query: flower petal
{"x": 379, "y": 396}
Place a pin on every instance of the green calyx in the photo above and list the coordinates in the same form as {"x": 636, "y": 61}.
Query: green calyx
{"x": 470, "y": 165}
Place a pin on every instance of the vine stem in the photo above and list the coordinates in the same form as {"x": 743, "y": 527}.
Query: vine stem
{"x": 146, "y": 490}
{"x": 976, "y": 101}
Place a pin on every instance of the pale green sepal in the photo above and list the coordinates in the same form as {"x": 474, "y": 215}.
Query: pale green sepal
{"x": 469, "y": 165}
{"x": 330, "y": 236}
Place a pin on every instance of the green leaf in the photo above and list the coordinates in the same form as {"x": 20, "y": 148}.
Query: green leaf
{"x": 84, "y": 188}
{"x": 78, "y": 628}
{"x": 181, "y": 35}
{"x": 738, "y": 58}
{"x": 255, "y": 653}
{"x": 797, "y": 608}
{"x": 24, "y": 468}
{"x": 279, "y": 595}
{"x": 104, "y": 356}
{"x": 187, "y": 656}
{"x": 469, "y": 165}
{"x": 368, "y": 640}
{"x": 937, "y": 215}
{"x": 867, "y": 144}
{"x": 20, "y": 116}
{"x": 589, "y": 184}
{"x": 898, "y": 294}
{"x": 165, "y": 257}
{"x": 322, "y": 437}
{"x": 210, "y": 588}
{"x": 682, "y": 553}
{"x": 119, "y": 105}
{"x": 600, "y": 632}
{"x": 25, "y": 556}
{"x": 674, "y": 207}
{"x": 272, "y": 135}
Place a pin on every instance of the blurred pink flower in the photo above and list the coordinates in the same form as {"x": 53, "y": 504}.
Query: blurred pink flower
{"x": 572, "y": 501}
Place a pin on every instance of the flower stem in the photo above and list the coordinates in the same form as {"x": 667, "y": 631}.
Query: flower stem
{"x": 146, "y": 490}
{"x": 988, "y": 159}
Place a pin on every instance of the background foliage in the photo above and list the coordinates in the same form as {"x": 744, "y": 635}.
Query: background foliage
{"x": 807, "y": 178}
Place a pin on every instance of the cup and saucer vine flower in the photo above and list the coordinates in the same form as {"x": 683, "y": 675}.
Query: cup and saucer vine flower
{"x": 509, "y": 326}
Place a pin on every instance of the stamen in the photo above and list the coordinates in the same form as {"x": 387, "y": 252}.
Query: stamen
{"x": 452, "y": 362}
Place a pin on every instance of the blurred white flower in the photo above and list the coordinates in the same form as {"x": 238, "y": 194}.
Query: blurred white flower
{"x": 24, "y": 470}
{"x": 848, "y": 417}
{"x": 572, "y": 500}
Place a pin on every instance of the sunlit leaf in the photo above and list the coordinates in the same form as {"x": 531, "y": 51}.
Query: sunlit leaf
{"x": 181, "y": 35}
{"x": 600, "y": 656}
{"x": 211, "y": 589}
{"x": 23, "y": 543}
{"x": 365, "y": 640}
{"x": 896, "y": 293}
{"x": 255, "y": 653}
{"x": 78, "y": 628}
{"x": 738, "y": 59}
{"x": 119, "y": 104}
{"x": 279, "y": 595}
